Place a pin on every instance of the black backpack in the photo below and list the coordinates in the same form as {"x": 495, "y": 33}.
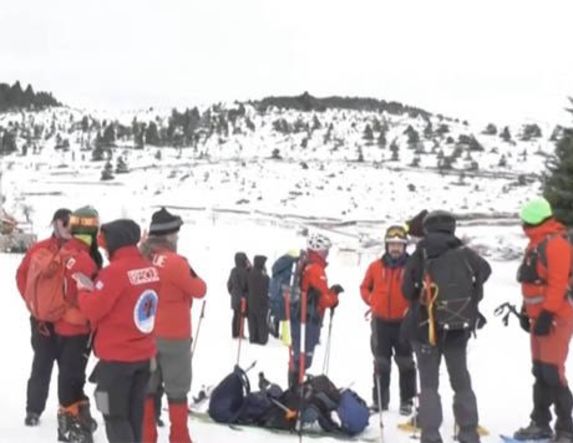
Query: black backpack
{"x": 449, "y": 285}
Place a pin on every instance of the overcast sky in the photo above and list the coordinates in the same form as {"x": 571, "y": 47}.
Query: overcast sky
{"x": 502, "y": 60}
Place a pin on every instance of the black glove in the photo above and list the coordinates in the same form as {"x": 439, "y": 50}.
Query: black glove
{"x": 337, "y": 289}
{"x": 524, "y": 321}
{"x": 481, "y": 321}
{"x": 543, "y": 323}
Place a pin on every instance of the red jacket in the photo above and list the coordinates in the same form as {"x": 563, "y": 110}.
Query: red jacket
{"x": 122, "y": 307}
{"x": 314, "y": 276}
{"x": 381, "y": 289}
{"x": 549, "y": 296}
{"x": 179, "y": 285}
{"x": 73, "y": 322}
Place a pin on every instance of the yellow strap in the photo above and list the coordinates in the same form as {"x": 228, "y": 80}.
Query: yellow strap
{"x": 430, "y": 287}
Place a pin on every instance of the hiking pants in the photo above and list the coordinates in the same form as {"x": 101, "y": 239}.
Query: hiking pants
{"x": 173, "y": 369}
{"x": 73, "y": 354}
{"x": 258, "y": 327}
{"x": 549, "y": 354}
{"x": 385, "y": 342}
{"x": 465, "y": 405}
{"x": 236, "y": 323}
{"x": 120, "y": 396}
{"x": 312, "y": 339}
{"x": 45, "y": 347}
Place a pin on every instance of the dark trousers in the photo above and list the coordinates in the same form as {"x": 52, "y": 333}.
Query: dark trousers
{"x": 236, "y": 325}
{"x": 465, "y": 404}
{"x": 120, "y": 397}
{"x": 385, "y": 342}
{"x": 71, "y": 353}
{"x": 258, "y": 327}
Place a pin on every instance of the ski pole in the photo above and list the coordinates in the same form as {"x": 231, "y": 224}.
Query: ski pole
{"x": 328, "y": 341}
{"x": 302, "y": 361}
{"x": 379, "y": 394}
{"x": 198, "y": 328}
{"x": 241, "y": 327}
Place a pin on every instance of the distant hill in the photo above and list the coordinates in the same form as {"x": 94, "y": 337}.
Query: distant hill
{"x": 307, "y": 102}
{"x": 14, "y": 97}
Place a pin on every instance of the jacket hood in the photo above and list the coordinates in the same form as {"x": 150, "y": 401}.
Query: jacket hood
{"x": 259, "y": 262}
{"x": 120, "y": 233}
{"x": 154, "y": 244}
{"x": 241, "y": 260}
{"x": 437, "y": 243}
{"x": 538, "y": 232}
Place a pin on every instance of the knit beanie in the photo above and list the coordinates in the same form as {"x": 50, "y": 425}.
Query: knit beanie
{"x": 164, "y": 223}
{"x": 84, "y": 220}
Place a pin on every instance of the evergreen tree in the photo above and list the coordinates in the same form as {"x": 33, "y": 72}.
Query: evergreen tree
{"x": 152, "y": 134}
{"x": 505, "y": 134}
{"x": 368, "y": 134}
{"x": 558, "y": 187}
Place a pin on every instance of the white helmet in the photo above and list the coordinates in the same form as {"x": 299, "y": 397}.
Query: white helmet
{"x": 318, "y": 242}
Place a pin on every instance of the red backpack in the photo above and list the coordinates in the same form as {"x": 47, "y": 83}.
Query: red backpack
{"x": 46, "y": 285}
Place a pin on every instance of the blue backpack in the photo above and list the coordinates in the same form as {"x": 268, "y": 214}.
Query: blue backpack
{"x": 228, "y": 398}
{"x": 353, "y": 413}
{"x": 285, "y": 273}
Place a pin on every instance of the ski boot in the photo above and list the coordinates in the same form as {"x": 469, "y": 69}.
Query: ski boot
{"x": 32, "y": 419}
{"x": 85, "y": 416}
{"x": 71, "y": 429}
{"x": 406, "y": 408}
{"x": 533, "y": 432}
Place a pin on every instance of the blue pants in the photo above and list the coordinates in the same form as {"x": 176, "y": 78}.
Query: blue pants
{"x": 312, "y": 339}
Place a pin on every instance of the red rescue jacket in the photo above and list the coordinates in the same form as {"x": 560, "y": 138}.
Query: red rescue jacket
{"x": 314, "y": 276}
{"x": 122, "y": 307}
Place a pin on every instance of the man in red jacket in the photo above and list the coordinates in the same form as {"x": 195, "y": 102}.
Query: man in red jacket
{"x": 121, "y": 307}
{"x": 179, "y": 286}
{"x": 44, "y": 343}
{"x": 320, "y": 297}
{"x": 547, "y": 315}
{"x": 381, "y": 289}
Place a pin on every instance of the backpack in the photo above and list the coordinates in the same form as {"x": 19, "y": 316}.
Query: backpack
{"x": 46, "y": 285}
{"x": 286, "y": 273}
{"x": 353, "y": 412}
{"x": 228, "y": 398}
{"x": 527, "y": 271}
{"x": 449, "y": 284}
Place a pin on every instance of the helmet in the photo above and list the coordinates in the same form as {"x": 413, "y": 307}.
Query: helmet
{"x": 536, "y": 211}
{"x": 318, "y": 242}
{"x": 440, "y": 221}
{"x": 396, "y": 234}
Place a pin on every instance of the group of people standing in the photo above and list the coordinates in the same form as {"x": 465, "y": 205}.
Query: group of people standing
{"x": 424, "y": 307}
{"x": 134, "y": 315}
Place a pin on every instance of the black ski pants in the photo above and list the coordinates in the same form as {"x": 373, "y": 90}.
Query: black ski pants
{"x": 385, "y": 342}
{"x": 465, "y": 404}
{"x": 258, "y": 327}
{"x": 120, "y": 397}
{"x": 70, "y": 352}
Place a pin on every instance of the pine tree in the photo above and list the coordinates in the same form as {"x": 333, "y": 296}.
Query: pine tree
{"x": 558, "y": 187}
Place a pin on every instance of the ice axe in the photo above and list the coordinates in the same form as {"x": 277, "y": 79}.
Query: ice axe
{"x": 198, "y": 328}
{"x": 506, "y": 309}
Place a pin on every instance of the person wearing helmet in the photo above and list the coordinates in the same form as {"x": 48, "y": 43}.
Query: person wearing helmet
{"x": 381, "y": 290}
{"x": 443, "y": 280}
{"x": 320, "y": 297}
{"x": 548, "y": 316}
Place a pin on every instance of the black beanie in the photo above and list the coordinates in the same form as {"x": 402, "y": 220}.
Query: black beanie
{"x": 440, "y": 221}
{"x": 164, "y": 223}
{"x": 120, "y": 233}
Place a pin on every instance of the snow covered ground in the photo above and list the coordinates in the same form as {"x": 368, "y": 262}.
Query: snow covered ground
{"x": 499, "y": 357}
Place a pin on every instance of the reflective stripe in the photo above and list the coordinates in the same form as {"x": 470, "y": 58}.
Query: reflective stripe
{"x": 533, "y": 300}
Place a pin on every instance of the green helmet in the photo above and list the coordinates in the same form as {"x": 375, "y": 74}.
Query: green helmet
{"x": 536, "y": 211}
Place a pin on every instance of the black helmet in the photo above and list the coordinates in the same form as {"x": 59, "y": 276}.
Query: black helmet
{"x": 440, "y": 221}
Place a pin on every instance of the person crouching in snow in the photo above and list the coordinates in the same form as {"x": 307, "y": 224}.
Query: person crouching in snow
{"x": 547, "y": 314}
{"x": 121, "y": 306}
{"x": 381, "y": 289}
{"x": 319, "y": 298}
{"x": 179, "y": 286}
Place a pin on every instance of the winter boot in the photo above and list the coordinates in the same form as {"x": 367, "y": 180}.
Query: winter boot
{"x": 149, "y": 420}
{"x": 70, "y": 427}
{"x": 88, "y": 422}
{"x": 32, "y": 419}
{"x": 406, "y": 408}
{"x": 178, "y": 416}
{"x": 533, "y": 432}
{"x": 562, "y": 437}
